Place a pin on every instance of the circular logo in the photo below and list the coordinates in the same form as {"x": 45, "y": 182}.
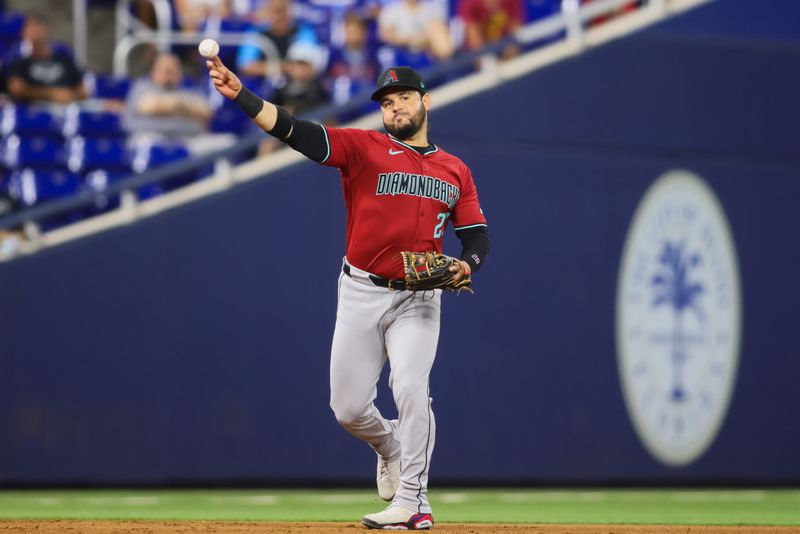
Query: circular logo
{"x": 678, "y": 318}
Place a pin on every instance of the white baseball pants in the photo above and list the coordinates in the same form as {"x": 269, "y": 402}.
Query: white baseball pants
{"x": 373, "y": 324}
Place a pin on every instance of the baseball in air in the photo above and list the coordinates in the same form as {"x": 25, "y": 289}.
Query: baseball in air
{"x": 208, "y": 48}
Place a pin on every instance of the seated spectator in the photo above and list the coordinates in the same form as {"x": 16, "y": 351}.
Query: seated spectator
{"x": 355, "y": 59}
{"x": 302, "y": 88}
{"x": 192, "y": 13}
{"x": 41, "y": 74}
{"x": 489, "y": 21}
{"x": 416, "y": 26}
{"x": 276, "y": 22}
{"x": 158, "y": 104}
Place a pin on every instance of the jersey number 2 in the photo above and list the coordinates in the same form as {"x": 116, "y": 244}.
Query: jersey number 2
{"x": 438, "y": 231}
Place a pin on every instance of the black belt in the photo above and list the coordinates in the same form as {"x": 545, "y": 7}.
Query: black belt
{"x": 394, "y": 285}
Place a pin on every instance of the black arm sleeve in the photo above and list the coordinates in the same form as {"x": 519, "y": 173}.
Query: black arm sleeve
{"x": 309, "y": 139}
{"x": 475, "y": 243}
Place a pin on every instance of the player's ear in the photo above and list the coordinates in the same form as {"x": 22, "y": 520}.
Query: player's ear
{"x": 426, "y": 101}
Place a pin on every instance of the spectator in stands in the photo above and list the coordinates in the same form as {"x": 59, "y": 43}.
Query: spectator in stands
{"x": 277, "y": 23}
{"x": 160, "y": 105}
{"x": 41, "y": 74}
{"x": 490, "y": 21}
{"x": 355, "y": 60}
{"x": 192, "y": 13}
{"x": 302, "y": 88}
{"x": 416, "y": 26}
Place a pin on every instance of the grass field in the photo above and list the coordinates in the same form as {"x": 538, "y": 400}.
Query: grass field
{"x": 688, "y": 507}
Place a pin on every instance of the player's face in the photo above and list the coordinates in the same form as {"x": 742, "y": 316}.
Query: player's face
{"x": 404, "y": 113}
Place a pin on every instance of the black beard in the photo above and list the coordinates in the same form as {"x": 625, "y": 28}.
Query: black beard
{"x": 410, "y": 129}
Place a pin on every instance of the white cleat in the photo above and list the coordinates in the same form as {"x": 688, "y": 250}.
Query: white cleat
{"x": 396, "y": 518}
{"x": 388, "y": 477}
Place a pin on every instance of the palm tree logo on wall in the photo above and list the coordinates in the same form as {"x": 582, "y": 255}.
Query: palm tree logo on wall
{"x": 678, "y": 317}
{"x": 674, "y": 287}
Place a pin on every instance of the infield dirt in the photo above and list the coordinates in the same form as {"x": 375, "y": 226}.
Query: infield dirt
{"x": 217, "y": 527}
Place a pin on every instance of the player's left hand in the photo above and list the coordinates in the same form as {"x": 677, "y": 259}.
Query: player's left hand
{"x": 429, "y": 270}
{"x": 459, "y": 270}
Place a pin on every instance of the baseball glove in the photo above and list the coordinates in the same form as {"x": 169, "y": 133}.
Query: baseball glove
{"x": 431, "y": 270}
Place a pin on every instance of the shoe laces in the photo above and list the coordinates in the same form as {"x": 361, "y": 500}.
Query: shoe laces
{"x": 384, "y": 468}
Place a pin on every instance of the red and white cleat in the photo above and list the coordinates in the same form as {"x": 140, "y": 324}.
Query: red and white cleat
{"x": 396, "y": 518}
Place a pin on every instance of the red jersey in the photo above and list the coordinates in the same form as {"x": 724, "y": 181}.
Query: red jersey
{"x": 398, "y": 199}
{"x": 494, "y": 19}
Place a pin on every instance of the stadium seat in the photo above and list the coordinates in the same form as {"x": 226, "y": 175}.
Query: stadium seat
{"x": 24, "y": 120}
{"x": 91, "y": 123}
{"x": 539, "y": 9}
{"x": 228, "y": 118}
{"x": 29, "y": 186}
{"x": 98, "y": 180}
{"x": 17, "y": 152}
{"x": 110, "y": 87}
{"x": 11, "y": 24}
{"x": 148, "y": 156}
{"x": 86, "y": 153}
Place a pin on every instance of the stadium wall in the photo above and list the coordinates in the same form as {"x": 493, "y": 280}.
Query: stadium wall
{"x": 192, "y": 347}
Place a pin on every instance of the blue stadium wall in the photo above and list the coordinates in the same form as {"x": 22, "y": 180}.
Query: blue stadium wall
{"x": 193, "y": 347}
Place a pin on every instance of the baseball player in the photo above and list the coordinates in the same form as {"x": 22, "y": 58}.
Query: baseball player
{"x": 400, "y": 192}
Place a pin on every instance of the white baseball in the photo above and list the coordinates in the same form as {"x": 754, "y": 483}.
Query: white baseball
{"x": 208, "y": 48}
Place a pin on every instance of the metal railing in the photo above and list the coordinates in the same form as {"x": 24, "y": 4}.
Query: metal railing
{"x": 127, "y": 24}
{"x": 163, "y": 39}
{"x": 131, "y": 33}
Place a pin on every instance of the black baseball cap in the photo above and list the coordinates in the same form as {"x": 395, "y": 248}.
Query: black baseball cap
{"x": 398, "y": 77}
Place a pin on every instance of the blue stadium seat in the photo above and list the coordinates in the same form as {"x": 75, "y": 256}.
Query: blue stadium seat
{"x": 99, "y": 179}
{"x": 29, "y": 186}
{"x": 228, "y": 118}
{"x": 87, "y": 153}
{"x": 538, "y": 9}
{"x": 17, "y": 152}
{"x": 111, "y": 87}
{"x": 11, "y": 24}
{"x": 151, "y": 155}
{"x": 22, "y": 120}
{"x": 91, "y": 123}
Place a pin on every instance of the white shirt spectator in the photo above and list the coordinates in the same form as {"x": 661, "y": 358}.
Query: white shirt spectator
{"x": 410, "y": 20}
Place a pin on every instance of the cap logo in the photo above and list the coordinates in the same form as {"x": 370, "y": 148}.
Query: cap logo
{"x": 391, "y": 76}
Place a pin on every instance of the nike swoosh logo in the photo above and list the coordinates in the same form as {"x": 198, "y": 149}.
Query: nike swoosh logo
{"x": 394, "y": 153}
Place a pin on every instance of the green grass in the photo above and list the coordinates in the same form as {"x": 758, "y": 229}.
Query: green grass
{"x": 708, "y": 507}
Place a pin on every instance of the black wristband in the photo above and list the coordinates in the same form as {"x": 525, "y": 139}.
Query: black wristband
{"x": 283, "y": 124}
{"x": 251, "y": 103}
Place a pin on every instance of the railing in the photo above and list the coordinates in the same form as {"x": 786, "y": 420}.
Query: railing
{"x": 126, "y": 24}
{"x": 164, "y": 39}
{"x": 131, "y": 33}
{"x": 569, "y": 23}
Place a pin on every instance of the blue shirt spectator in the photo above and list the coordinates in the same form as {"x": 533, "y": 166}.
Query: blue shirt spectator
{"x": 280, "y": 26}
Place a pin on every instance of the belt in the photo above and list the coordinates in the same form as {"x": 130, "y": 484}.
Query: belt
{"x": 391, "y": 285}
